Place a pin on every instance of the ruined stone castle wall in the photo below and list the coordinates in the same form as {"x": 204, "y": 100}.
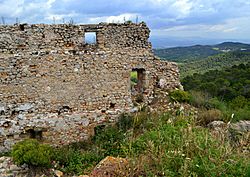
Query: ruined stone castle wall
{"x": 55, "y": 87}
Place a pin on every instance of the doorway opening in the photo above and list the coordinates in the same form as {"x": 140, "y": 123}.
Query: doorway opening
{"x": 137, "y": 80}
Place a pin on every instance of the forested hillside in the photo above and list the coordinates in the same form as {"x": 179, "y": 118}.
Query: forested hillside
{"x": 225, "y": 84}
{"x": 183, "y": 54}
{"x": 216, "y": 62}
{"x": 191, "y": 53}
{"x": 227, "y": 90}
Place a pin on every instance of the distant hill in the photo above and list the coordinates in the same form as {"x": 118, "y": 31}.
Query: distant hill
{"x": 197, "y": 52}
{"x": 215, "y": 62}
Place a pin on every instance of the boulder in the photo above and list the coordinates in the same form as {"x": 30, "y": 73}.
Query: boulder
{"x": 162, "y": 83}
{"x": 216, "y": 125}
{"x": 111, "y": 166}
{"x": 241, "y": 126}
{"x": 58, "y": 173}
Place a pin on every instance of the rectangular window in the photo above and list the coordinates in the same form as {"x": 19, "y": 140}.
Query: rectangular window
{"x": 90, "y": 37}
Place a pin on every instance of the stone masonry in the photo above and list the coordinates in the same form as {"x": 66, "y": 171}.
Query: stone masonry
{"x": 57, "y": 88}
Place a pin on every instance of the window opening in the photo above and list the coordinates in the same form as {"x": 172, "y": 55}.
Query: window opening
{"x": 90, "y": 37}
{"x": 21, "y": 26}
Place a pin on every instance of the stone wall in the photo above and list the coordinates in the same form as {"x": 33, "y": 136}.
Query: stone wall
{"x": 55, "y": 87}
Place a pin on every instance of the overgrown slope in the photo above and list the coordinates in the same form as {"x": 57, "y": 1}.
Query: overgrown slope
{"x": 156, "y": 144}
{"x": 227, "y": 90}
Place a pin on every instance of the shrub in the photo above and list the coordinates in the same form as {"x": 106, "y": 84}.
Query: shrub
{"x": 125, "y": 122}
{"x": 180, "y": 96}
{"x": 217, "y": 104}
{"x": 241, "y": 114}
{"x": 239, "y": 102}
{"x": 75, "y": 161}
{"x": 207, "y": 116}
{"x": 32, "y": 153}
{"x": 199, "y": 99}
{"x": 145, "y": 120}
{"x": 108, "y": 141}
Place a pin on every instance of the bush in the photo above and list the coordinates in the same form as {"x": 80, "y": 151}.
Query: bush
{"x": 74, "y": 161}
{"x": 208, "y": 116}
{"x": 217, "y": 104}
{"x": 125, "y": 122}
{"x": 199, "y": 99}
{"x": 239, "y": 102}
{"x": 241, "y": 114}
{"x": 180, "y": 96}
{"x": 32, "y": 153}
{"x": 108, "y": 141}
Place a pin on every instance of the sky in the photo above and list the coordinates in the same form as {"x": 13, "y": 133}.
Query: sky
{"x": 172, "y": 22}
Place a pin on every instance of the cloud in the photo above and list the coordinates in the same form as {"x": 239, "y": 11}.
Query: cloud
{"x": 236, "y": 28}
{"x": 10, "y": 8}
{"x": 183, "y": 7}
{"x": 175, "y": 17}
{"x": 180, "y": 12}
{"x": 112, "y": 19}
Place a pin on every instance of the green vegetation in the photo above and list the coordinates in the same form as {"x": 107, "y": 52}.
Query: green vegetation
{"x": 180, "y": 96}
{"x": 201, "y": 59}
{"x": 207, "y": 116}
{"x": 133, "y": 77}
{"x": 216, "y": 62}
{"x": 227, "y": 90}
{"x": 155, "y": 145}
{"x": 184, "y": 54}
{"x": 32, "y": 153}
{"x": 76, "y": 159}
{"x": 226, "y": 84}
{"x": 179, "y": 149}
{"x": 211, "y": 75}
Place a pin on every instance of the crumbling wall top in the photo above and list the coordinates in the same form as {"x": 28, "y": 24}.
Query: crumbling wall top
{"x": 25, "y": 37}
